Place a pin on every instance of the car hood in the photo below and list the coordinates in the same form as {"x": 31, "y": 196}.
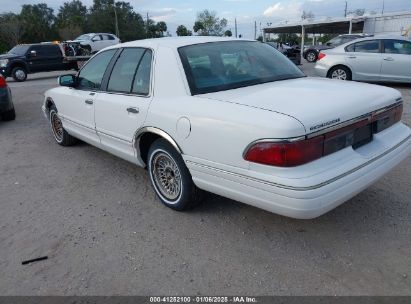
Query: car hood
{"x": 9, "y": 56}
{"x": 316, "y": 103}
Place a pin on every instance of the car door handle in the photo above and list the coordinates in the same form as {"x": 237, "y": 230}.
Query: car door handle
{"x": 352, "y": 57}
{"x": 133, "y": 110}
{"x": 89, "y": 101}
{"x": 389, "y": 59}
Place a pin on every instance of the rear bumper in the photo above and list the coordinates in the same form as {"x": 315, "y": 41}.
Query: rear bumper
{"x": 320, "y": 70}
{"x": 299, "y": 202}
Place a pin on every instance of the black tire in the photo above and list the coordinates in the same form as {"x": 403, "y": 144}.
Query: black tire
{"x": 19, "y": 74}
{"x": 311, "y": 56}
{"x": 175, "y": 187}
{"x": 9, "y": 115}
{"x": 59, "y": 133}
{"x": 340, "y": 72}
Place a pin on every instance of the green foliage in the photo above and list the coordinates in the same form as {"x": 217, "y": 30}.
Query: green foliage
{"x": 71, "y": 19}
{"x": 10, "y": 31}
{"x": 228, "y": 33}
{"x": 208, "y": 24}
{"x": 183, "y": 31}
{"x": 37, "y": 23}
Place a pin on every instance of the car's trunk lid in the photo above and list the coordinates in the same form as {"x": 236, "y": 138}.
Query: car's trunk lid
{"x": 316, "y": 103}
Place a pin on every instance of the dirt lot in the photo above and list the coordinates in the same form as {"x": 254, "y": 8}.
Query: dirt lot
{"x": 104, "y": 232}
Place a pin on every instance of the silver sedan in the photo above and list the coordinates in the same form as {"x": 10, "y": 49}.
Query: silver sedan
{"x": 375, "y": 59}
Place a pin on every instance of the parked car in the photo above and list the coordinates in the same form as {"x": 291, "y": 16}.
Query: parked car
{"x": 26, "y": 59}
{"x": 7, "y": 111}
{"x": 311, "y": 53}
{"x": 375, "y": 59}
{"x": 95, "y": 42}
{"x": 219, "y": 114}
{"x": 293, "y": 53}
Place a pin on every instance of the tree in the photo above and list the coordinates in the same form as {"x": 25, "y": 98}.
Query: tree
{"x": 161, "y": 28}
{"x": 71, "y": 19}
{"x": 357, "y": 12}
{"x": 260, "y": 38}
{"x": 208, "y": 24}
{"x": 183, "y": 31}
{"x": 228, "y": 33}
{"x": 307, "y": 15}
{"x": 10, "y": 30}
{"x": 37, "y": 22}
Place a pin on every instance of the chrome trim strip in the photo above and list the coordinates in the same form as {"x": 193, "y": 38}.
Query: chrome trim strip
{"x": 302, "y": 188}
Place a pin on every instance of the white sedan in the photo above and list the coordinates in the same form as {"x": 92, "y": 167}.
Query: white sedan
{"x": 232, "y": 117}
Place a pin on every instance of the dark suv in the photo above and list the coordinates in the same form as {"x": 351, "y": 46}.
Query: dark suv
{"x": 311, "y": 53}
{"x": 32, "y": 58}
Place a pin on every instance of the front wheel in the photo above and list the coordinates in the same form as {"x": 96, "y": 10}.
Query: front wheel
{"x": 19, "y": 74}
{"x": 60, "y": 134}
{"x": 311, "y": 56}
{"x": 170, "y": 177}
{"x": 340, "y": 72}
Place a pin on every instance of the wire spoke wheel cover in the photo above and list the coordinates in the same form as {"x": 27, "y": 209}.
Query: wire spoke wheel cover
{"x": 56, "y": 126}
{"x": 167, "y": 176}
{"x": 339, "y": 74}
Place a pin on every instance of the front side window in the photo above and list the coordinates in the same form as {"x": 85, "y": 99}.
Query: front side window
{"x": 219, "y": 66}
{"x": 369, "y": 46}
{"x": 397, "y": 47}
{"x": 122, "y": 76}
{"x": 92, "y": 73}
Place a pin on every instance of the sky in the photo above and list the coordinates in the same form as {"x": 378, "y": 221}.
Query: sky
{"x": 247, "y": 12}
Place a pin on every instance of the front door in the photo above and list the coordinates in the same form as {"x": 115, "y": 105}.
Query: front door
{"x": 122, "y": 109}
{"x": 79, "y": 108}
{"x": 396, "y": 64}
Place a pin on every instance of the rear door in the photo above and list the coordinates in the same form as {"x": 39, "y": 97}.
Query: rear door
{"x": 365, "y": 59}
{"x": 396, "y": 63}
{"x": 98, "y": 43}
{"x": 122, "y": 108}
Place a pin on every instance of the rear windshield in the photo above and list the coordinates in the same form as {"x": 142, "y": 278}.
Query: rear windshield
{"x": 19, "y": 50}
{"x": 218, "y": 66}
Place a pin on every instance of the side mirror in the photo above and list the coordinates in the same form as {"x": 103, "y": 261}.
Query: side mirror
{"x": 329, "y": 43}
{"x": 67, "y": 80}
{"x": 33, "y": 53}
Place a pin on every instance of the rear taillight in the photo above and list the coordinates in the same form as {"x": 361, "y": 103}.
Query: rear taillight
{"x": 320, "y": 56}
{"x": 3, "y": 82}
{"x": 290, "y": 153}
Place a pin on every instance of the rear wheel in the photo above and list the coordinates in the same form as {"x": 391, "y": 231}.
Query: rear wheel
{"x": 9, "y": 115}
{"x": 170, "y": 177}
{"x": 19, "y": 74}
{"x": 340, "y": 72}
{"x": 311, "y": 56}
{"x": 60, "y": 134}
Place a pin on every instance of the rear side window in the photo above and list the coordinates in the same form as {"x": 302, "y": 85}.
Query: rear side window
{"x": 108, "y": 37}
{"x": 92, "y": 73}
{"x": 124, "y": 71}
{"x": 369, "y": 46}
{"x": 141, "y": 83}
{"x": 51, "y": 50}
{"x": 397, "y": 47}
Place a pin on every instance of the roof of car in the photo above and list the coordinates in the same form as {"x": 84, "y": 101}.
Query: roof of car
{"x": 175, "y": 42}
{"x": 377, "y": 37}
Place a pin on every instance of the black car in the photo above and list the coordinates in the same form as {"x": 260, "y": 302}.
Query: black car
{"x": 32, "y": 58}
{"x": 6, "y": 104}
{"x": 311, "y": 53}
{"x": 292, "y": 52}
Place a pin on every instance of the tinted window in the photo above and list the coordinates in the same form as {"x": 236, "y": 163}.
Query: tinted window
{"x": 50, "y": 50}
{"x": 397, "y": 47}
{"x": 370, "y": 46}
{"x": 218, "y": 66}
{"x": 350, "y": 48}
{"x": 141, "y": 84}
{"x": 92, "y": 73}
{"x": 124, "y": 70}
{"x": 108, "y": 37}
{"x": 19, "y": 50}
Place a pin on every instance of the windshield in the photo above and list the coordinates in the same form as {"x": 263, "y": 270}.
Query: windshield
{"x": 218, "y": 66}
{"x": 19, "y": 50}
{"x": 83, "y": 37}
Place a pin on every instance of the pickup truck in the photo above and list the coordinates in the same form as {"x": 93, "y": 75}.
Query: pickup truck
{"x": 26, "y": 59}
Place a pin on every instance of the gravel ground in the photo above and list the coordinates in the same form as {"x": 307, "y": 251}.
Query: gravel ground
{"x": 104, "y": 232}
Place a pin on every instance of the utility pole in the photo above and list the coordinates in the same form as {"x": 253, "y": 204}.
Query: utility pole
{"x": 383, "y": 7}
{"x": 235, "y": 23}
{"x": 346, "y": 6}
{"x": 255, "y": 30}
{"x": 147, "y": 26}
{"x": 115, "y": 15}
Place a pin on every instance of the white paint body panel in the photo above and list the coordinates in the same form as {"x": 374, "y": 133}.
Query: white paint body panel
{"x": 213, "y": 130}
